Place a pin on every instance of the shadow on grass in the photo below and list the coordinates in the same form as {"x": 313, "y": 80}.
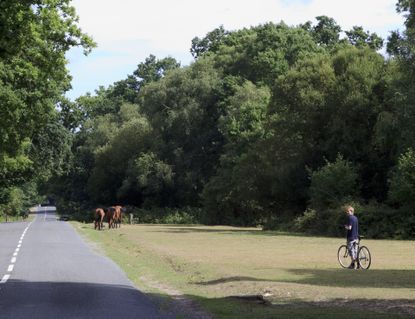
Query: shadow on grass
{"x": 375, "y": 278}
{"x": 335, "y": 308}
{"x": 174, "y": 229}
{"x": 229, "y": 279}
{"x": 372, "y": 278}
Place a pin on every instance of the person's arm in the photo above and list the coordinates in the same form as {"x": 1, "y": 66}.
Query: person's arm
{"x": 348, "y": 226}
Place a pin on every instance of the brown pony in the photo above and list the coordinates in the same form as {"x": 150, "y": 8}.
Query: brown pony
{"x": 110, "y": 215}
{"x": 118, "y": 215}
{"x": 99, "y": 218}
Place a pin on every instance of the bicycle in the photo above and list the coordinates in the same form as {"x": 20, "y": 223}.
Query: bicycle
{"x": 363, "y": 256}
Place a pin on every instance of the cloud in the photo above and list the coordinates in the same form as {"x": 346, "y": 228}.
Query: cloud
{"x": 131, "y": 30}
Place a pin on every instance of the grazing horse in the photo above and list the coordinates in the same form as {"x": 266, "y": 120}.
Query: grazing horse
{"x": 118, "y": 215}
{"x": 99, "y": 218}
{"x": 110, "y": 215}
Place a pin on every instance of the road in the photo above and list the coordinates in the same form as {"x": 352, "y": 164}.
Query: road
{"x": 48, "y": 271}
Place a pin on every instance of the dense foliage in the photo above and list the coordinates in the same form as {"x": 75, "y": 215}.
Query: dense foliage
{"x": 275, "y": 125}
{"x": 34, "y": 145}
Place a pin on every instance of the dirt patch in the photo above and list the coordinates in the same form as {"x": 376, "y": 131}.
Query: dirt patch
{"x": 182, "y": 303}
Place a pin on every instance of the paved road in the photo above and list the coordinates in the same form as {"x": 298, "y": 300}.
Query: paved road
{"x": 48, "y": 272}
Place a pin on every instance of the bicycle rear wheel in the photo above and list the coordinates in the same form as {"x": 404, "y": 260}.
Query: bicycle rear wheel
{"x": 364, "y": 257}
{"x": 343, "y": 256}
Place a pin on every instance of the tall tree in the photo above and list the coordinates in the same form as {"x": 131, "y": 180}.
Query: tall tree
{"x": 34, "y": 37}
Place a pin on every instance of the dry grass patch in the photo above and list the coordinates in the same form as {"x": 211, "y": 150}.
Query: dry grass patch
{"x": 294, "y": 273}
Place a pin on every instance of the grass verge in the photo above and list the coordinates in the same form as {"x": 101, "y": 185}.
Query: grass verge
{"x": 248, "y": 273}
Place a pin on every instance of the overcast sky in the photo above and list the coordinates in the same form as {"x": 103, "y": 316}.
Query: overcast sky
{"x": 128, "y": 31}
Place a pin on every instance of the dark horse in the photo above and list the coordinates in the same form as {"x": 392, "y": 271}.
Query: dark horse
{"x": 99, "y": 218}
{"x": 110, "y": 215}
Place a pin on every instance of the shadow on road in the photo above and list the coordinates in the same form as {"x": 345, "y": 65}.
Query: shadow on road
{"x": 22, "y": 300}
{"x": 44, "y": 300}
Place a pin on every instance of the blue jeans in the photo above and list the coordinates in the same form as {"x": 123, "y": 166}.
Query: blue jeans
{"x": 352, "y": 247}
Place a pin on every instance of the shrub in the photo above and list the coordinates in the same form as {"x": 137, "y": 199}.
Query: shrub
{"x": 186, "y": 215}
{"x": 402, "y": 182}
{"x": 333, "y": 184}
{"x": 306, "y": 222}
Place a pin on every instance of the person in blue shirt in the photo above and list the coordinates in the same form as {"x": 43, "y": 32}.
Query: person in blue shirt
{"x": 352, "y": 227}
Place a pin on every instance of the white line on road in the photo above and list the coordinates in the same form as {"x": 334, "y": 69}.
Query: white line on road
{"x": 14, "y": 258}
{"x": 4, "y": 279}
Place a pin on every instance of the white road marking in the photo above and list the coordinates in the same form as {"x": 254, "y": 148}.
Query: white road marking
{"x": 4, "y": 279}
{"x": 14, "y": 258}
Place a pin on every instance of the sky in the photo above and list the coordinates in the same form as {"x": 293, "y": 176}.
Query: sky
{"x": 128, "y": 31}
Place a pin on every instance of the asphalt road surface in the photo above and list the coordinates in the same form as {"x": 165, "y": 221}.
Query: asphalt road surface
{"x": 47, "y": 271}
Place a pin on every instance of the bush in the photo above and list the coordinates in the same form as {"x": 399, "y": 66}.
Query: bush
{"x": 333, "y": 184}
{"x": 75, "y": 211}
{"x": 186, "y": 215}
{"x": 381, "y": 221}
{"x": 402, "y": 182}
{"x": 326, "y": 222}
{"x": 306, "y": 222}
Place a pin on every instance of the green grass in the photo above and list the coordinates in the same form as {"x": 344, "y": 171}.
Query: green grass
{"x": 300, "y": 274}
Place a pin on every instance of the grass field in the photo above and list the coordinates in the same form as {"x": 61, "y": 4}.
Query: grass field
{"x": 225, "y": 269}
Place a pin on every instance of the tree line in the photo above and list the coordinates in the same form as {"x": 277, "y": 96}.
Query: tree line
{"x": 272, "y": 125}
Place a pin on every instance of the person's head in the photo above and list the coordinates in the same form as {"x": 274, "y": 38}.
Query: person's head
{"x": 349, "y": 210}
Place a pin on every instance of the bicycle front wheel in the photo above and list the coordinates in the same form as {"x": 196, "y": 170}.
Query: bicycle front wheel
{"x": 343, "y": 256}
{"x": 364, "y": 257}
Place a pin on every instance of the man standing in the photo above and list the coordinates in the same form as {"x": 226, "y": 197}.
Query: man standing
{"x": 352, "y": 227}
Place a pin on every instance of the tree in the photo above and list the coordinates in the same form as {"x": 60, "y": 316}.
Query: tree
{"x": 326, "y": 31}
{"x": 402, "y": 181}
{"x": 183, "y": 110}
{"x": 234, "y": 195}
{"x": 34, "y": 36}
{"x": 359, "y": 38}
{"x": 333, "y": 184}
{"x": 153, "y": 70}
{"x": 264, "y": 52}
{"x": 210, "y": 43}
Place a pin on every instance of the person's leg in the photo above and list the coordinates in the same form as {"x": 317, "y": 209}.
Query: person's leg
{"x": 351, "y": 245}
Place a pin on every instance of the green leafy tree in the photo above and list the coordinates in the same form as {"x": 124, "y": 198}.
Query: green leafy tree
{"x": 402, "y": 182}
{"x": 326, "y": 31}
{"x": 34, "y": 37}
{"x": 111, "y": 159}
{"x": 210, "y": 43}
{"x": 359, "y": 38}
{"x": 334, "y": 184}
{"x": 234, "y": 194}
{"x": 262, "y": 53}
{"x": 183, "y": 110}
